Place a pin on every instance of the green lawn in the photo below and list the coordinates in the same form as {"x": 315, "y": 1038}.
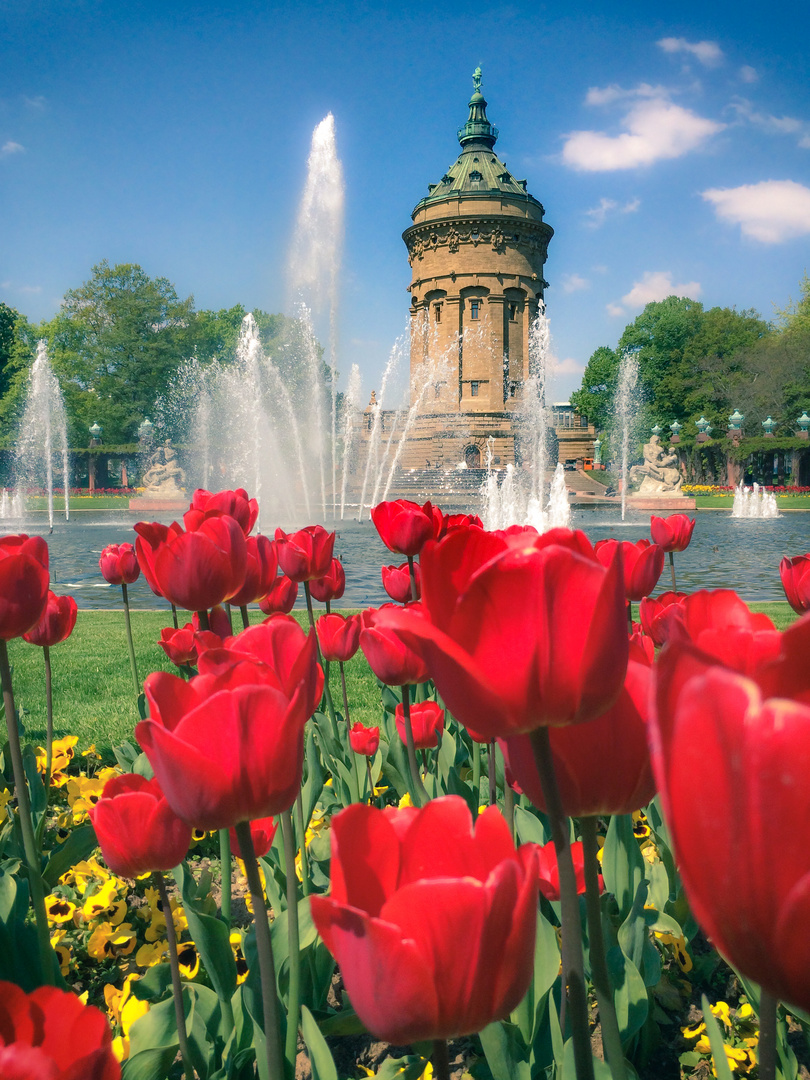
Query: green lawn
{"x": 93, "y": 693}
{"x": 79, "y": 502}
{"x": 725, "y": 502}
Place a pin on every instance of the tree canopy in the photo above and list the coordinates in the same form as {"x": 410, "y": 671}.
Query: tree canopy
{"x": 694, "y": 361}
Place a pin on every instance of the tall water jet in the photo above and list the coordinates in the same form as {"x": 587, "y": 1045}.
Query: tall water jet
{"x": 625, "y": 409}
{"x": 754, "y": 502}
{"x": 351, "y": 409}
{"x": 373, "y": 445}
{"x": 43, "y": 433}
{"x": 316, "y": 252}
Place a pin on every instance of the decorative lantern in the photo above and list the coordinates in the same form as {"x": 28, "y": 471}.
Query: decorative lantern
{"x": 656, "y": 430}
{"x": 804, "y": 423}
{"x": 675, "y": 428}
{"x": 736, "y": 421}
{"x": 95, "y": 434}
{"x": 704, "y": 429}
{"x": 769, "y": 425}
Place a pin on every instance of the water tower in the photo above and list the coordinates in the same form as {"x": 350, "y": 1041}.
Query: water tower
{"x": 477, "y": 248}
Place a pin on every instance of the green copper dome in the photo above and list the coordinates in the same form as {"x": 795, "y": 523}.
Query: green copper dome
{"x": 478, "y": 169}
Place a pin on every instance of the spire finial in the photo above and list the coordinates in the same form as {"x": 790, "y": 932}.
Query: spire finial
{"x": 477, "y": 80}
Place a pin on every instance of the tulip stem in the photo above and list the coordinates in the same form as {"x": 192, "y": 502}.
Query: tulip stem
{"x": 267, "y": 967}
{"x": 302, "y": 829}
{"x": 330, "y": 708}
{"x": 174, "y": 617}
{"x": 493, "y": 787}
{"x": 672, "y": 569}
{"x": 441, "y": 1060}
{"x": 611, "y": 1037}
{"x": 573, "y": 967}
{"x": 370, "y": 782}
{"x": 419, "y": 794}
{"x": 132, "y": 661}
{"x": 476, "y": 771}
{"x": 174, "y": 964}
{"x": 225, "y": 875}
{"x": 245, "y": 617}
{"x": 766, "y": 1051}
{"x": 509, "y": 807}
{"x": 294, "y": 993}
{"x": 203, "y": 620}
{"x": 230, "y": 617}
{"x": 412, "y": 573}
{"x": 630, "y": 618}
{"x": 46, "y": 652}
{"x": 32, "y": 856}
{"x": 345, "y": 695}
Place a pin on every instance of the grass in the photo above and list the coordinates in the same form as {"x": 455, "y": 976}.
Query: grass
{"x": 93, "y": 692}
{"x": 79, "y": 502}
{"x": 725, "y": 502}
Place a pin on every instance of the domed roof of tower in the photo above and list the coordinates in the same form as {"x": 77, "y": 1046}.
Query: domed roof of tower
{"x": 478, "y": 169}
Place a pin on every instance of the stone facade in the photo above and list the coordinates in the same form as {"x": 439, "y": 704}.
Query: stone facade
{"x": 477, "y": 248}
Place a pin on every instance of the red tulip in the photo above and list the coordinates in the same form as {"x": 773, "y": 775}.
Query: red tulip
{"x": 397, "y": 582}
{"x": 260, "y": 572}
{"x": 391, "y": 659}
{"x": 305, "y": 554}
{"x": 338, "y": 636}
{"x": 364, "y": 740}
{"x": 404, "y": 526}
{"x": 642, "y": 561}
{"x": 448, "y": 522}
{"x": 151, "y": 535}
{"x": 520, "y": 632}
{"x": 407, "y": 887}
{"x": 57, "y": 622}
{"x": 602, "y": 767}
{"x": 236, "y": 504}
{"x": 228, "y": 745}
{"x": 720, "y": 623}
{"x": 218, "y": 622}
{"x": 281, "y": 644}
{"x": 280, "y": 597}
{"x": 196, "y": 570}
{"x": 136, "y": 829}
{"x": 427, "y": 722}
{"x": 795, "y": 574}
{"x": 262, "y": 832}
{"x": 656, "y": 613}
{"x": 731, "y": 761}
{"x": 50, "y": 1035}
{"x": 23, "y": 584}
{"x": 549, "y": 874}
{"x": 331, "y": 586}
{"x": 185, "y": 645}
{"x": 672, "y": 533}
{"x": 119, "y": 564}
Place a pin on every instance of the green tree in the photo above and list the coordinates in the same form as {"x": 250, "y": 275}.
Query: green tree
{"x": 8, "y": 319}
{"x": 595, "y": 397}
{"x": 114, "y": 344}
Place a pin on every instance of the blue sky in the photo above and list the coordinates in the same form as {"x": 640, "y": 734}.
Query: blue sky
{"x": 671, "y": 151}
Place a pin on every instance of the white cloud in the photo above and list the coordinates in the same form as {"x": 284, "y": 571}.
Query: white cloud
{"x": 39, "y": 102}
{"x": 597, "y": 214}
{"x": 707, "y": 52}
{"x": 771, "y": 211}
{"x": 774, "y": 125}
{"x": 11, "y": 148}
{"x": 574, "y": 282}
{"x": 654, "y": 285}
{"x": 29, "y": 289}
{"x": 749, "y": 74}
{"x": 656, "y": 130}
{"x": 569, "y": 366}
{"x": 606, "y": 95}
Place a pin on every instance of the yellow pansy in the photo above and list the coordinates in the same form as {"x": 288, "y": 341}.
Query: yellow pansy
{"x": 693, "y": 1032}
{"x": 241, "y": 964}
{"x": 5, "y": 799}
{"x": 63, "y": 753}
{"x": 152, "y": 953}
{"x": 107, "y": 941}
{"x": 405, "y": 800}
{"x": 640, "y": 827}
{"x": 105, "y": 903}
{"x": 84, "y": 873}
{"x": 63, "y": 953}
{"x": 157, "y": 922}
{"x": 723, "y": 1013}
{"x": 59, "y": 910}
{"x": 188, "y": 959}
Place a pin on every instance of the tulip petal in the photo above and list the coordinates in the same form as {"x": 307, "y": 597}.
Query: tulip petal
{"x": 365, "y": 858}
{"x": 392, "y": 985}
{"x": 440, "y": 842}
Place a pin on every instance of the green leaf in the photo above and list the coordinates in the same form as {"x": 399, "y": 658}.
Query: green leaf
{"x": 125, "y": 755}
{"x": 154, "y": 985}
{"x": 633, "y": 931}
{"x": 77, "y": 847}
{"x": 530, "y": 829}
{"x": 13, "y": 893}
{"x": 622, "y": 862}
{"x": 36, "y": 789}
{"x": 143, "y": 767}
{"x": 149, "y": 1064}
{"x": 721, "y": 1065}
{"x": 529, "y": 1013}
{"x": 404, "y": 1068}
{"x": 143, "y": 709}
{"x": 630, "y": 993}
{"x": 506, "y": 1053}
{"x": 153, "y": 1044}
{"x": 320, "y": 1056}
{"x": 210, "y": 935}
{"x": 345, "y": 1022}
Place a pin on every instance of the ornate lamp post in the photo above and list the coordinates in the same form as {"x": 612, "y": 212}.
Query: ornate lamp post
{"x": 675, "y": 428}
{"x": 769, "y": 425}
{"x": 704, "y": 429}
{"x": 597, "y": 452}
{"x": 656, "y": 430}
{"x": 804, "y": 423}
{"x": 95, "y": 439}
{"x": 736, "y": 421}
